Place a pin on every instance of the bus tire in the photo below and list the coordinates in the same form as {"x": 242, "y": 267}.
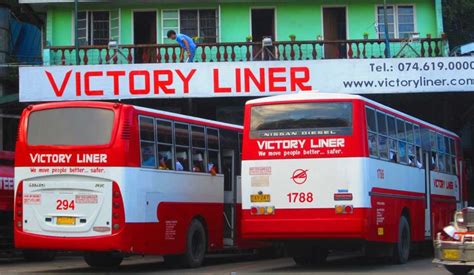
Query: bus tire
{"x": 458, "y": 269}
{"x": 401, "y": 250}
{"x": 196, "y": 245}
{"x": 317, "y": 257}
{"x": 39, "y": 255}
{"x": 103, "y": 259}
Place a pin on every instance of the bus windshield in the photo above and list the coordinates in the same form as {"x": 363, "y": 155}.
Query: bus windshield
{"x": 70, "y": 126}
{"x": 301, "y": 119}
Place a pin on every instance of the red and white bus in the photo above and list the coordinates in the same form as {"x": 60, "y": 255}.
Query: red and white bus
{"x": 328, "y": 171}
{"x": 113, "y": 179}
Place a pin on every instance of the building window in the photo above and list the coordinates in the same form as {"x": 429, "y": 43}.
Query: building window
{"x": 93, "y": 27}
{"x": 400, "y": 18}
{"x": 200, "y": 23}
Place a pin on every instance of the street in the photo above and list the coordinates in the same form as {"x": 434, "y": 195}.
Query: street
{"x": 229, "y": 264}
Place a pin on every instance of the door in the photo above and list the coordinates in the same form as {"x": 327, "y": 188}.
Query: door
{"x": 228, "y": 169}
{"x": 427, "y": 157}
{"x": 335, "y": 29}
{"x": 263, "y": 25}
{"x": 144, "y": 33}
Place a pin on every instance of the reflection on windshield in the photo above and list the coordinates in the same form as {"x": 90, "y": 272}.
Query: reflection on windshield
{"x": 302, "y": 116}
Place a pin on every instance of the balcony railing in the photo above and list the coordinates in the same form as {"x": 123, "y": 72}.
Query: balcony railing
{"x": 246, "y": 51}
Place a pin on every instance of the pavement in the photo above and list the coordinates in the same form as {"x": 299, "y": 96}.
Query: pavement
{"x": 227, "y": 264}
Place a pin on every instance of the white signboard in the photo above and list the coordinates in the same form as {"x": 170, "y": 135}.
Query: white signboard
{"x": 230, "y": 79}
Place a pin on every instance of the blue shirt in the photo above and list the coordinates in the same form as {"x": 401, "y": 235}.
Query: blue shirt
{"x": 181, "y": 37}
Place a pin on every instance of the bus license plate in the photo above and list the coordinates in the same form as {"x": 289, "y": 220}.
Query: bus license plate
{"x": 260, "y": 198}
{"x": 451, "y": 254}
{"x": 66, "y": 221}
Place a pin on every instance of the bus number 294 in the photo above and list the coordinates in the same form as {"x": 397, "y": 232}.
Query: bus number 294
{"x": 301, "y": 197}
{"x": 65, "y": 205}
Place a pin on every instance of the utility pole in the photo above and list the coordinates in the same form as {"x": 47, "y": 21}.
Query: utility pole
{"x": 385, "y": 24}
{"x": 76, "y": 39}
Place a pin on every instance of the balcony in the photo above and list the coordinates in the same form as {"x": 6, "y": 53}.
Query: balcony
{"x": 247, "y": 51}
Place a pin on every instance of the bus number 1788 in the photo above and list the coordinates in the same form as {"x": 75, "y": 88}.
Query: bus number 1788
{"x": 301, "y": 197}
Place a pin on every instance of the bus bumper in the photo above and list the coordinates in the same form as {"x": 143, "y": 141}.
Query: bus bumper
{"x": 115, "y": 242}
{"x": 454, "y": 253}
{"x": 305, "y": 224}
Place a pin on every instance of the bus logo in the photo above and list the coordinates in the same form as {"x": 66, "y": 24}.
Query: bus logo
{"x": 300, "y": 176}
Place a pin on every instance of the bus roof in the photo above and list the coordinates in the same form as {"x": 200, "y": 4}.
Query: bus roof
{"x": 315, "y": 95}
{"x": 185, "y": 117}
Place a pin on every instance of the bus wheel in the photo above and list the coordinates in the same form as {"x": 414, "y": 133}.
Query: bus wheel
{"x": 318, "y": 256}
{"x": 196, "y": 245}
{"x": 39, "y": 255}
{"x": 458, "y": 269}
{"x": 401, "y": 250}
{"x": 103, "y": 259}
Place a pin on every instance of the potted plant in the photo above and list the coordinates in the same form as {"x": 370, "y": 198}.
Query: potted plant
{"x": 319, "y": 37}
{"x": 428, "y": 35}
{"x": 366, "y": 35}
{"x": 444, "y": 35}
{"x": 292, "y": 37}
{"x": 248, "y": 38}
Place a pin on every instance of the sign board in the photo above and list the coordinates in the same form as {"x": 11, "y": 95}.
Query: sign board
{"x": 233, "y": 79}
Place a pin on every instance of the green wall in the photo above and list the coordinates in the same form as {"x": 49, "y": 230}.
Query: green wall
{"x": 302, "y": 18}
{"x": 62, "y": 19}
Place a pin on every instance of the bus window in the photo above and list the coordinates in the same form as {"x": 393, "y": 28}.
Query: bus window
{"x": 434, "y": 161}
{"x": 393, "y": 154}
{"x": 420, "y": 160}
{"x": 199, "y": 148}
{"x": 213, "y": 151}
{"x": 446, "y": 145}
{"x": 448, "y": 164}
{"x": 441, "y": 147}
{"x": 392, "y": 143}
{"x": 402, "y": 146}
{"x": 392, "y": 130}
{"x": 182, "y": 147}
{"x": 383, "y": 147}
{"x": 373, "y": 145}
{"x": 417, "y": 134}
{"x": 442, "y": 163}
{"x": 451, "y": 145}
{"x": 72, "y": 126}
{"x": 147, "y": 142}
{"x": 371, "y": 123}
{"x": 401, "y": 133}
{"x": 381, "y": 123}
{"x": 410, "y": 133}
{"x": 164, "y": 134}
{"x": 304, "y": 119}
{"x": 433, "y": 141}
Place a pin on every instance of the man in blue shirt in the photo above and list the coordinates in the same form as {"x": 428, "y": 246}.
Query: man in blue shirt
{"x": 186, "y": 43}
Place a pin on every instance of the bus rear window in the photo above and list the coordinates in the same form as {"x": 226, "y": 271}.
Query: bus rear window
{"x": 301, "y": 119}
{"x": 70, "y": 126}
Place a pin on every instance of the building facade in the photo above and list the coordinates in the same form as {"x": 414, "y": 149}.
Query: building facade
{"x": 311, "y": 24}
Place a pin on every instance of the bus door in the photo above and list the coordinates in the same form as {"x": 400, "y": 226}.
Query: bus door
{"x": 427, "y": 166}
{"x": 228, "y": 169}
